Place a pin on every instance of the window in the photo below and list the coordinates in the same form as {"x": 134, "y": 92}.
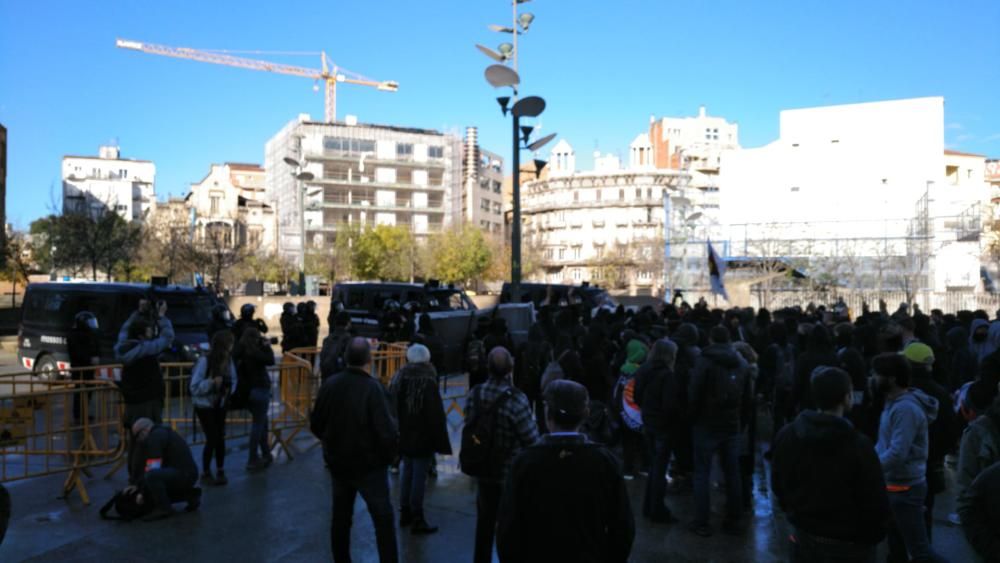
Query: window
{"x": 576, "y": 274}
{"x": 621, "y": 195}
{"x": 562, "y": 253}
{"x": 497, "y": 210}
{"x": 484, "y": 205}
{"x": 215, "y": 205}
{"x": 344, "y": 146}
{"x": 435, "y": 152}
{"x": 385, "y": 198}
{"x": 404, "y": 151}
{"x": 576, "y": 197}
{"x": 496, "y": 187}
{"x": 795, "y": 189}
{"x": 576, "y": 252}
{"x": 638, "y": 193}
{"x": 645, "y": 275}
{"x": 484, "y": 184}
{"x": 548, "y": 254}
{"x": 598, "y": 195}
{"x": 599, "y": 251}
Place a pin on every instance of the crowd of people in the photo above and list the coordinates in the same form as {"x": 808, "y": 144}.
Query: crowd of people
{"x": 855, "y": 415}
{"x": 871, "y": 406}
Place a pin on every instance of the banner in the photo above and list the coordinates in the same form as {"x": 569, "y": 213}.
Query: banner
{"x": 716, "y": 272}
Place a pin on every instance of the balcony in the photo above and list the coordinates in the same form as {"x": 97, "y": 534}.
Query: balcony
{"x": 370, "y": 159}
{"x": 375, "y": 185}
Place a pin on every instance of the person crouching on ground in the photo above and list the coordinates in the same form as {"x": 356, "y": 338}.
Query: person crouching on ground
{"x": 162, "y": 466}
{"x": 212, "y": 380}
{"x": 422, "y": 433}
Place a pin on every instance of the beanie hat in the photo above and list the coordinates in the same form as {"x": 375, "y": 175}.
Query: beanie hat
{"x": 418, "y": 354}
{"x": 919, "y": 353}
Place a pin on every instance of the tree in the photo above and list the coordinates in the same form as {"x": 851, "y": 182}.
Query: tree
{"x": 86, "y": 241}
{"x": 216, "y": 254}
{"x": 386, "y": 253}
{"x": 17, "y": 255}
{"x": 166, "y": 248}
{"x": 459, "y": 255}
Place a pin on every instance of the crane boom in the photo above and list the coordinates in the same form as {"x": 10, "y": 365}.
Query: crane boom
{"x": 330, "y": 75}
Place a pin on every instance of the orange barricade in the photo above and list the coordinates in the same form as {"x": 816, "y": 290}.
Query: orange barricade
{"x": 58, "y": 426}
{"x": 387, "y": 360}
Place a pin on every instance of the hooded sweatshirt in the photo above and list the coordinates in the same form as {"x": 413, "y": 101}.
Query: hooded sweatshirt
{"x": 635, "y": 354}
{"x": 719, "y": 391}
{"x": 980, "y": 349}
{"x": 903, "y": 443}
{"x": 851, "y": 503}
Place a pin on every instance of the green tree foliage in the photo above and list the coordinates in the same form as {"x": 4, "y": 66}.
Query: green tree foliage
{"x": 386, "y": 252}
{"x": 460, "y": 255}
{"x": 90, "y": 242}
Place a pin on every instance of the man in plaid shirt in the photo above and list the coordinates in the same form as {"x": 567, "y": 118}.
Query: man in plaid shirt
{"x": 516, "y": 430}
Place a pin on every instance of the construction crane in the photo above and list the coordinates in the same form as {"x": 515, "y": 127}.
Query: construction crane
{"x": 330, "y": 73}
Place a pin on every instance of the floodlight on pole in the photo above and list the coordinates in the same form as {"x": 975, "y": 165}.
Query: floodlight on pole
{"x": 526, "y": 133}
{"x": 503, "y": 101}
{"x": 305, "y": 176}
{"x": 500, "y": 75}
{"x": 291, "y": 161}
{"x": 541, "y": 142}
{"x": 539, "y": 166}
{"x": 532, "y": 106}
{"x": 491, "y": 53}
{"x": 525, "y": 19}
{"x": 506, "y": 50}
{"x": 501, "y": 29}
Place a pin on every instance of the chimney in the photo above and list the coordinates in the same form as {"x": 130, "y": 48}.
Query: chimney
{"x": 701, "y": 111}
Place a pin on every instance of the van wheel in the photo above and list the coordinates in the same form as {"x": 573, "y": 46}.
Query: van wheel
{"x": 46, "y": 369}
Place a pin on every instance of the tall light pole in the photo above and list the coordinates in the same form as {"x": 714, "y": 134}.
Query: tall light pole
{"x": 300, "y": 189}
{"x": 500, "y": 76}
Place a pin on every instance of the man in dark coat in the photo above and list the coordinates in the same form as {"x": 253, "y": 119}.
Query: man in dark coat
{"x": 353, "y": 419}
{"x": 827, "y": 478}
{"x": 331, "y": 357}
{"x": 163, "y": 466}
{"x": 565, "y": 498}
{"x": 720, "y": 399}
{"x": 656, "y": 392}
{"x": 84, "y": 347}
{"x": 422, "y": 433}
{"x": 980, "y": 514}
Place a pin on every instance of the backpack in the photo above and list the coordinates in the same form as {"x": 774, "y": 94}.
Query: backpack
{"x": 727, "y": 387}
{"x": 553, "y": 371}
{"x": 479, "y": 457}
{"x": 124, "y": 503}
{"x": 624, "y": 397}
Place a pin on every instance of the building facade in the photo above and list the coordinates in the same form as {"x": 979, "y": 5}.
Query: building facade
{"x": 228, "y": 206}
{"x": 607, "y": 226}
{"x": 864, "y": 195}
{"x": 482, "y": 185}
{"x": 361, "y": 174}
{"x": 93, "y": 184}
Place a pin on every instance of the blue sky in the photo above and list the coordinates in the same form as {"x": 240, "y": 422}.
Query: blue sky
{"x": 603, "y": 67}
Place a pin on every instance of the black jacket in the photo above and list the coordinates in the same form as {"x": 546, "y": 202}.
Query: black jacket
{"x": 165, "y": 448}
{"x": 827, "y": 478}
{"x": 420, "y": 412}
{"x": 565, "y": 500}
{"x": 804, "y": 366}
{"x": 943, "y": 432}
{"x": 352, "y": 418}
{"x": 243, "y": 324}
{"x": 293, "y": 334}
{"x": 83, "y": 344}
{"x": 658, "y": 395}
{"x": 980, "y": 514}
{"x": 331, "y": 357}
{"x": 252, "y": 363}
{"x": 711, "y": 404}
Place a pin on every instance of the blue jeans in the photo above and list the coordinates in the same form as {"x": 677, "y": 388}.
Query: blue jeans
{"x": 908, "y": 520}
{"x": 412, "y": 483}
{"x": 706, "y": 443}
{"x": 257, "y": 404}
{"x": 374, "y": 489}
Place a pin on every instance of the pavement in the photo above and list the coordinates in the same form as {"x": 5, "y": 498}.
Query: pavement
{"x": 283, "y": 514}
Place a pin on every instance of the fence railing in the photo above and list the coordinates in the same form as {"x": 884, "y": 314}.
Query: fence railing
{"x": 66, "y": 425}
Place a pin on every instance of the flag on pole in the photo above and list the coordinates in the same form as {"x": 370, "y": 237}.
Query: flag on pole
{"x": 716, "y": 271}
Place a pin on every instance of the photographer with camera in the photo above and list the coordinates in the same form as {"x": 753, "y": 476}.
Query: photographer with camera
{"x": 212, "y": 381}
{"x": 246, "y": 321}
{"x": 145, "y": 335}
{"x": 253, "y": 355}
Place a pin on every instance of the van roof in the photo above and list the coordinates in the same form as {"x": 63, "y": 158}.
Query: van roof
{"x": 110, "y": 287}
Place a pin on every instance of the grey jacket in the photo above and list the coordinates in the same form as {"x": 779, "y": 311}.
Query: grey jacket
{"x": 980, "y": 447}
{"x": 903, "y": 443}
{"x": 205, "y": 394}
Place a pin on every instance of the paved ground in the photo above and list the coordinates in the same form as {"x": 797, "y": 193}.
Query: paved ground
{"x": 283, "y": 515}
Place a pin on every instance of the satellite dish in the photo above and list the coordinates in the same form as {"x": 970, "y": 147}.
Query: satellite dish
{"x": 541, "y": 142}
{"x": 491, "y": 53}
{"x": 532, "y": 106}
{"x": 499, "y": 76}
{"x": 291, "y": 161}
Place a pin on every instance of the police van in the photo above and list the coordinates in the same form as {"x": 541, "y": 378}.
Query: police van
{"x": 366, "y": 301}
{"x": 591, "y": 296}
{"x": 48, "y": 311}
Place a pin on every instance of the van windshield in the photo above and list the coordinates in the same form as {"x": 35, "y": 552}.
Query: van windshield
{"x": 188, "y": 310}
{"x": 449, "y": 300}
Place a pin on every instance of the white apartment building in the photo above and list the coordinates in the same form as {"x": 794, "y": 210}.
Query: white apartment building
{"x": 229, "y": 204}
{"x": 107, "y": 181}
{"x": 605, "y": 226}
{"x": 482, "y": 185}
{"x": 867, "y": 185}
{"x": 362, "y": 174}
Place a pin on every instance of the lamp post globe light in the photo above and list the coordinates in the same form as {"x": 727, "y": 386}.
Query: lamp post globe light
{"x": 501, "y": 76}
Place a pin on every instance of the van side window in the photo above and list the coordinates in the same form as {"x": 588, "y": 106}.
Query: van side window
{"x": 355, "y": 299}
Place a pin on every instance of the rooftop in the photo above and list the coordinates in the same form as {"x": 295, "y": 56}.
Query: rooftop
{"x": 412, "y": 130}
{"x": 245, "y": 166}
{"x": 107, "y": 159}
{"x": 950, "y": 152}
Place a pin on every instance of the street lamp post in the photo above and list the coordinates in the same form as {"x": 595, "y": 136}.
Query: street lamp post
{"x": 500, "y": 76}
{"x": 300, "y": 176}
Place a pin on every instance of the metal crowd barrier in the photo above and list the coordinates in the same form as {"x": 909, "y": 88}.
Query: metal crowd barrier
{"x": 40, "y": 436}
{"x": 49, "y": 427}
